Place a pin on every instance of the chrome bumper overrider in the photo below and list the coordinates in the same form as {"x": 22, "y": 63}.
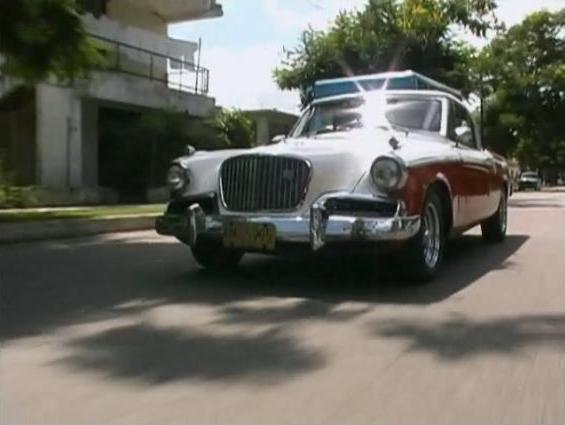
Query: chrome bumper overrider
{"x": 317, "y": 229}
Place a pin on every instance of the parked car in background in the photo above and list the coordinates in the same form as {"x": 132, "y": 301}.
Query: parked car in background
{"x": 529, "y": 180}
{"x": 405, "y": 169}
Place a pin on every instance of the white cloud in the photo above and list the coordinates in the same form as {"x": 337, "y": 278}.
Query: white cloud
{"x": 244, "y": 78}
{"x": 315, "y": 13}
{"x": 513, "y": 11}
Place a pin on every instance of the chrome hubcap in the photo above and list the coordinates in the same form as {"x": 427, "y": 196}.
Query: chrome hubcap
{"x": 432, "y": 235}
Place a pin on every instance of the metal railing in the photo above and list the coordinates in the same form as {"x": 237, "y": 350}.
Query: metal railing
{"x": 176, "y": 73}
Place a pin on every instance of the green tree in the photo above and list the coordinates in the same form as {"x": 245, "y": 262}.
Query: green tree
{"x": 39, "y": 38}
{"x": 525, "y": 67}
{"x": 234, "y": 128}
{"x": 389, "y": 35}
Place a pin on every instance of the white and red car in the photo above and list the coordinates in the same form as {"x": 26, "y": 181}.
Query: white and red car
{"x": 401, "y": 166}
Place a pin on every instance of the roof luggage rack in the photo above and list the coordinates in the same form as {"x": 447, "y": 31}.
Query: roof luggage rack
{"x": 401, "y": 80}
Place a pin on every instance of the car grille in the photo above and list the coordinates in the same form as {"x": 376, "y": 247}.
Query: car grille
{"x": 264, "y": 183}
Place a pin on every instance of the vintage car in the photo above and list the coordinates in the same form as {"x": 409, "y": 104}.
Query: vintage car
{"x": 401, "y": 169}
{"x": 529, "y": 180}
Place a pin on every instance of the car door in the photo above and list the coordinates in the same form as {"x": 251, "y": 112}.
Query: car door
{"x": 477, "y": 165}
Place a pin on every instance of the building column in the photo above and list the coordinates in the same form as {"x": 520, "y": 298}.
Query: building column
{"x": 262, "y": 130}
{"x": 67, "y": 139}
{"x": 89, "y": 137}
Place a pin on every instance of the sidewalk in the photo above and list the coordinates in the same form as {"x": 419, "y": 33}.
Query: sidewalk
{"x": 31, "y": 224}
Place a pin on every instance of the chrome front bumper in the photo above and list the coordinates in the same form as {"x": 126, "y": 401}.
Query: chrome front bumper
{"x": 317, "y": 229}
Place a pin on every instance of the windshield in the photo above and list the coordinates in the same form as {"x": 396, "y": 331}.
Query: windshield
{"x": 403, "y": 112}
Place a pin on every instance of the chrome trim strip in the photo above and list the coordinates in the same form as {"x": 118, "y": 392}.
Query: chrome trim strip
{"x": 421, "y": 162}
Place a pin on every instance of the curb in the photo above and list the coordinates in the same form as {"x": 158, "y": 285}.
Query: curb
{"x": 69, "y": 228}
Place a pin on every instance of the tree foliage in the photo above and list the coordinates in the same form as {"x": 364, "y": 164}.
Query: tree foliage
{"x": 39, "y": 38}
{"x": 525, "y": 68}
{"x": 389, "y": 35}
{"x": 234, "y": 128}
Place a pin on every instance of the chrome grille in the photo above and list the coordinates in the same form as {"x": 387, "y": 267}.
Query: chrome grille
{"x": 261, "y": 183}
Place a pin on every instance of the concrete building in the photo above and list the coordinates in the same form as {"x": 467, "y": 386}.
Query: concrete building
{"x": 49, "y": 134}
{"x": 270, "y": 123}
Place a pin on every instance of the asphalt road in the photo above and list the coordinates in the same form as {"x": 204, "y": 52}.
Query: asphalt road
{"x": 125, "y": 329}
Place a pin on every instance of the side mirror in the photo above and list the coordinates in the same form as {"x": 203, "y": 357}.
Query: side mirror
{"x": 278, "y": 139}
{"x": 464, "y": 135}
{"x": 189, "y": 150}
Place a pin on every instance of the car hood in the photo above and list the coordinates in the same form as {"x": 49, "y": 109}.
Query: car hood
{"x": 364, "y": 146}
{"x": 338, "y": 160}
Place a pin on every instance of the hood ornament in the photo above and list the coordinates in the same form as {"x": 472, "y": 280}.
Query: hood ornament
{"x": 189, "y": 150}
{"x": 394, "y": 143}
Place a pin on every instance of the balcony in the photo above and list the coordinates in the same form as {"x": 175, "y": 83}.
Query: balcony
{"x": 175, "y": 72}
{"x": 172, "y": 11}
{"x": 131, "y": 50}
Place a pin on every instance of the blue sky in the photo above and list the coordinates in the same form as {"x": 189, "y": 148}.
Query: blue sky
{"x": 242, "y": 47}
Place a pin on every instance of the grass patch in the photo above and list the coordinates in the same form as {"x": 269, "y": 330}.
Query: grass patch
{"x": 28, "y": 215}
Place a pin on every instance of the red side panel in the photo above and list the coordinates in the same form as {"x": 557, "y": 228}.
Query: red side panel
{"x": 468, "y": 190}
{"x": 419, "y": 179}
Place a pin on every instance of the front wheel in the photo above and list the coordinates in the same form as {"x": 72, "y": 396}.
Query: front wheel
{"x": 216, "y": 256}
{"x": 424, "y": 252}
{"x": 494, "y": 228}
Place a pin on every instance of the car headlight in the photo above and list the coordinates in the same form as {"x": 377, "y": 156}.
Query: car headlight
{"x": 388, "y": 173}
{"x": 177, "y": 178}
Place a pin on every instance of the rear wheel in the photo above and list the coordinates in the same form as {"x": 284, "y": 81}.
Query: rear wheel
{"x": 425, "y": 251}
{"x": 216, "y": 256}
{"x": 494, "y": 228}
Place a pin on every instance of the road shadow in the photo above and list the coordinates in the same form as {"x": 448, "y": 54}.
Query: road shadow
{"x": 338, "y": 280}
{"x": 156, "y": 356}
{"x": 91, "y": 282}
{"x": 77, "y": 282}
{"x": 285, "y": 314}
{"x": 459, "y": 338}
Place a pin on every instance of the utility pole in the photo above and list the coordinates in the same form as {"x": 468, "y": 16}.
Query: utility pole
{"x": 198, "y": 64}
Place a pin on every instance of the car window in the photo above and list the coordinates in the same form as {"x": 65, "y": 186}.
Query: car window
{"x": 409, "y": 113}
{"x": 415, "y": 114}
{"x": 460, "y": 121}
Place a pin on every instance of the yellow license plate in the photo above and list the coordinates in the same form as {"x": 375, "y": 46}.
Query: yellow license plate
{"x": 254, "y": 236}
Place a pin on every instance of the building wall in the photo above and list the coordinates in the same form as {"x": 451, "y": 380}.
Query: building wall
{"x": 139, "y": 92}
{"x": 127, "y": 13}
